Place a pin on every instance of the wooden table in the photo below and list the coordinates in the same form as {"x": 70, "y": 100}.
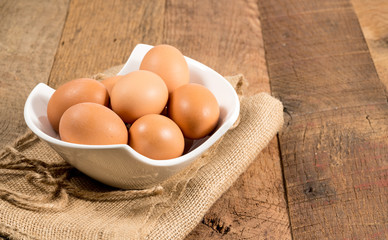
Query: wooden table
{"x": 325, "y": 176}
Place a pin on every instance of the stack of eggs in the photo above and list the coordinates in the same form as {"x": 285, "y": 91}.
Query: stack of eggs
{"x": 157, "y": 103}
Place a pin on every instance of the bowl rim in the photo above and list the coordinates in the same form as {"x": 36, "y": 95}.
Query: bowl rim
{"x": 216, "y": 135}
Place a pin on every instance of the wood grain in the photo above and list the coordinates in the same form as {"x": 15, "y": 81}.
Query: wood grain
{"x": 334, "y": 147}
{"x": 222, "y": 34}
{"x": 101, "y": 34}
{"x": 29, "y": 36}
{"x": 373, "y": 17}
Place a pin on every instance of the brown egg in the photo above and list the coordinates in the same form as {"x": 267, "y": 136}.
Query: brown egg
{"x": 73, "y": 92}
{"x": 195, "y": 109}
{"x": 110, "y": 82}
{"x": 169, "y": 63}
{"x": 137, "y": 94}
{"x": 157, "y": 137}
{"x": 92, "y": 124}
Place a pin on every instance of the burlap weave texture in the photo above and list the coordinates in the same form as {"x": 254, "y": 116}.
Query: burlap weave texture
{"x": 42, "y": 197}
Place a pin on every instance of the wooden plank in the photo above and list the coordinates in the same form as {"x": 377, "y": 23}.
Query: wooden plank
{"x": 373, "y": 17}
{"x": 334, "y": 144}
{"x": 101, "y": 34}
{"x": 222, "y": 34}
{"x": 226, "y": 35}
{"x": 29, "y": 36}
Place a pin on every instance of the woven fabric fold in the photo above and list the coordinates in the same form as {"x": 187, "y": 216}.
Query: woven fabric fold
{"x": 42, "y": 197}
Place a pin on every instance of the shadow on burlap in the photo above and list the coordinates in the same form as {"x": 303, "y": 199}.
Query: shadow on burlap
{"x": 42, "y": 197}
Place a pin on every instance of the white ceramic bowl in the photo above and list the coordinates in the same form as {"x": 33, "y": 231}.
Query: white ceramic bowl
{"x": 119, "y": 165}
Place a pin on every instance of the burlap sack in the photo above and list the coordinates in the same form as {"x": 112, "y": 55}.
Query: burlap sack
{"x": 42, "y": 197}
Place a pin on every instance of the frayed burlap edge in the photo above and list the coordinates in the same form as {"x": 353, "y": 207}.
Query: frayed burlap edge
{"x": 38, "y": 172}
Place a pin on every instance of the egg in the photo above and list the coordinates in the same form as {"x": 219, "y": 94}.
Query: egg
{"x": 110, "y": 82}
{"x": 156, "y": 137}
{"x": 138, "y": 93}
{"x": 169, "y": 63}
{"x": 73, "y": 92}
{"x": 92, "y": 124}
{"x": 195, "y": 109}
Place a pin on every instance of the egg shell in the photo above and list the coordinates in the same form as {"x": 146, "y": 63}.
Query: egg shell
{"x": 73, "y": 92}
{"x": 195, "y": 109}
{"x": 137, "y": 94}
{"x": 169, "y": 63}
{"x": 92, "y": 124}
{"x": 156, "y": 137}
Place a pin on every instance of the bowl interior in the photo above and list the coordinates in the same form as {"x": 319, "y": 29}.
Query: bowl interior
{"x": 35, "y": 111}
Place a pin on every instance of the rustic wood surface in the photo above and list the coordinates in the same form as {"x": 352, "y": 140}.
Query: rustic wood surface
{"x": 373, "y": 18}
{"x": 324, "y": 178}
{"x": 334, "y": 144}
{"x": 29, "y": 37}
